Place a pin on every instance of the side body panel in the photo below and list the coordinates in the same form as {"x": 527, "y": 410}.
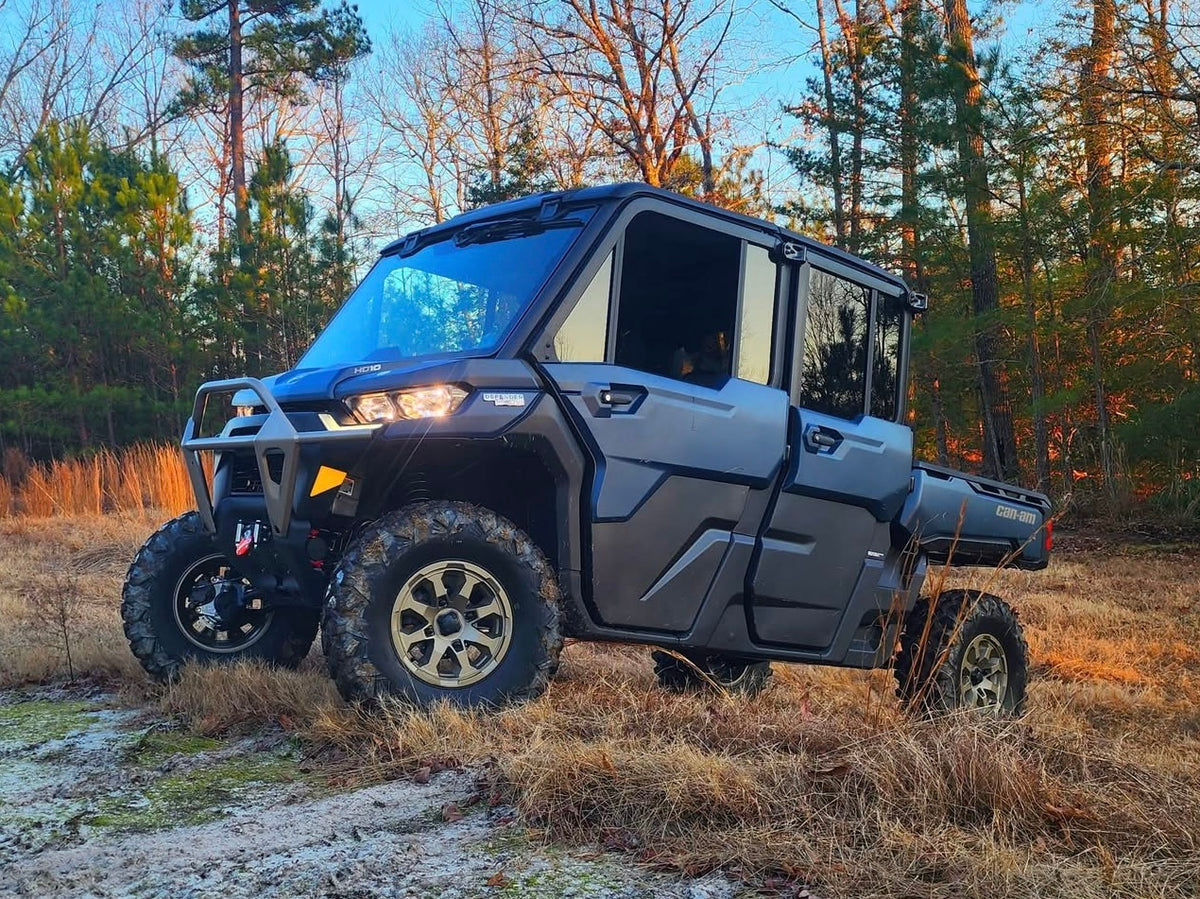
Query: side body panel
{"x": 672, "y": 471}
{"x": 975, "y": 521}
{"x": 830, "y": 520}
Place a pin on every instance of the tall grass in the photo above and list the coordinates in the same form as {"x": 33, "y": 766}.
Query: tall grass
{"x": 129, "y": 481}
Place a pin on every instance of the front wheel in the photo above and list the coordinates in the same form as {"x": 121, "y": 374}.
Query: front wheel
{"x": 442, "y": 601}
{"x": 184, "y": 601}
{"x": 963, "y": 650}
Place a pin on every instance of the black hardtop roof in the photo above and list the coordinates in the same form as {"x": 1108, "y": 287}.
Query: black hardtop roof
{"x": 610, "y": 193}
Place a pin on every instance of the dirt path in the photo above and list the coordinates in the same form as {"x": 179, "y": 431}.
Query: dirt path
{"x": 98, "y": 801}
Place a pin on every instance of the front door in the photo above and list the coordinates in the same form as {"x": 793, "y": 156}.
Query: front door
{"x": 678, "y": 441}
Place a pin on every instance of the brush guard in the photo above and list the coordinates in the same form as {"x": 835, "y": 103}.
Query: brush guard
{"x": 275, "y": 436}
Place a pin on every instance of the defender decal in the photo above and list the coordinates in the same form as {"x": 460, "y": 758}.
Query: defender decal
{"x": 505, "y": 399}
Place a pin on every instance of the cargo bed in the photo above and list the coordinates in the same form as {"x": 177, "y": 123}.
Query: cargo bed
{"x": 964, "y": 519}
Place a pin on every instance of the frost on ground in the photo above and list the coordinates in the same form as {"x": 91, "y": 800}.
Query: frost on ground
{"x": 100, "y": 801}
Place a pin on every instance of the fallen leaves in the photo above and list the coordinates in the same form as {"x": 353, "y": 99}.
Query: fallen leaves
{"x": 499, "y": 879}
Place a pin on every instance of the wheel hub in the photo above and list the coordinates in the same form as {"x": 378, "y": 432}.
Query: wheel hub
{"x": 983, "y": 678}
{"x": 451, "y": 623}
{"x": 210, "y": 608}
{"x": 229, "y": 602}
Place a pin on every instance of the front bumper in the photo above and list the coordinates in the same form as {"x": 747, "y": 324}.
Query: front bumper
{"x": 276, "y": 438}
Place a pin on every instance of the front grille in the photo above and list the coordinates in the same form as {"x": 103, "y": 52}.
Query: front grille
{"x": 245, "y": 477}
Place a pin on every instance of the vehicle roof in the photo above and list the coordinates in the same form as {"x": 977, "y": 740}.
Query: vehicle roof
{"x": 623, "y": 191}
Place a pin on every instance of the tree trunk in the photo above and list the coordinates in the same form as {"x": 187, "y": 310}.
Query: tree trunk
{"x": 237, "y": 128}
{"x": 852, "y": 35}
{"x": 912, "y": 262}
{"x": 999, "y": 440}
{"x": 1101, "y": 248}
{"x": 909, "y": 201}
{"x": 1037, "y": 381}
{"x": 831, "y": 122}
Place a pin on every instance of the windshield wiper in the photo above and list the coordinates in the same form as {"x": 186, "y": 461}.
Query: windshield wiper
{"x": 505, "y": 229}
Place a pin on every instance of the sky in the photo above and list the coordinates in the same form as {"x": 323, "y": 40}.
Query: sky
{"x": 772, "y": 71}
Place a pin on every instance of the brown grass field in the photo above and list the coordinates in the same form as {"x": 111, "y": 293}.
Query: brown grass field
{"x": 820, "y": 782}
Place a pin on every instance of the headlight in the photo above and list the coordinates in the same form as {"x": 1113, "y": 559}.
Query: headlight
{"x": 422, "y": 402}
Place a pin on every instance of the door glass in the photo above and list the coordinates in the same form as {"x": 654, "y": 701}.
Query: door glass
{"x": 885, "y": 370}
{"x": 756, "y": 327}
{"x": 678, "y": 301}
{"x": 834, "y": 378}
{"x": 583, "y": 335}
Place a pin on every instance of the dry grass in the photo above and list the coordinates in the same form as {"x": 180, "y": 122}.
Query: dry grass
{"x": 821, "y": 780}
{"x": 40, "y": 557}
{"x": 128, "y": 482}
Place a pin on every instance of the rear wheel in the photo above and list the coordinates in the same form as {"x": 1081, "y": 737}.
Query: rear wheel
{"x": 184, "y": 601}
{"x": 442, "y": 601}
{"x": 698, "y": 670}
{"x": 963, "y": 651}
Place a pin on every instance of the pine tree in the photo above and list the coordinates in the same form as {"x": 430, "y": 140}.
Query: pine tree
{"x": 259, "y": 49}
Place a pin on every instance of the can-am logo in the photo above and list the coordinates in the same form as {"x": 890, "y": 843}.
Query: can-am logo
{"x": 1016, "y": 515}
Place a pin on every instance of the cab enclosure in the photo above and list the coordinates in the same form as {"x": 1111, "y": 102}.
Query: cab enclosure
{"x": 698, "y": 417}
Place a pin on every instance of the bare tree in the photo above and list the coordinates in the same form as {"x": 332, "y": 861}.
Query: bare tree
{"x": 646, "y": 73}
{"x": 409, "y": 92}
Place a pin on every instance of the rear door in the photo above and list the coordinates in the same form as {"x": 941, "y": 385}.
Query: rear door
{"x": 666, "y": 365}
{"x": 850, "y": 457}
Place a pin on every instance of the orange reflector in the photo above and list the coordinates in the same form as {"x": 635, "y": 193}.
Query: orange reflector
{"x": 327, "y": 479}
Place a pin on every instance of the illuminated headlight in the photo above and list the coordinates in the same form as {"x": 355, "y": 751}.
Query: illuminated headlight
{"x": 423, "y": 402}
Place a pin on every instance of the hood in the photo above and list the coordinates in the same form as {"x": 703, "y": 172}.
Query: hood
{"x": 315, "y": 385}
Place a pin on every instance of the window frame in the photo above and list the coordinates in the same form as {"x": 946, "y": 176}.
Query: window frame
{"x": 878, "y": 290}
{"x": 613, "y": 241}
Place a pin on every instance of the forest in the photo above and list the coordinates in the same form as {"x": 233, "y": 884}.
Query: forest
{"x": 188, "y": 190}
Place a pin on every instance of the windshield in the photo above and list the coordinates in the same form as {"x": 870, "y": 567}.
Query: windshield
{"x": 458, "y": 296}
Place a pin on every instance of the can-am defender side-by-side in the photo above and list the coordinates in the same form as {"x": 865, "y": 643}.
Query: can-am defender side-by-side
{"x": 608, "y": 414}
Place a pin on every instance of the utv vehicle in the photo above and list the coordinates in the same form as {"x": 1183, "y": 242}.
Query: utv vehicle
{"x": 608, "y": 414}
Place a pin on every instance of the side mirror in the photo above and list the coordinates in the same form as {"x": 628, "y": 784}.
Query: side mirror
{"x": 918, "y": 302}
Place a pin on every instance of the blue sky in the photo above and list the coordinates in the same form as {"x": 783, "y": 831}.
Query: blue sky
{"x": 773, "y": 55}
{"x": 774, "y": 69}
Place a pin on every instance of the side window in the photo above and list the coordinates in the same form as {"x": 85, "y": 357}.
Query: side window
{"x": 756, "y": 323}
{"x": 678, "y": 299}
{"x": 583, "y": 336}
{"x": 834, "y": 377}
{"x": 885, "y": 369}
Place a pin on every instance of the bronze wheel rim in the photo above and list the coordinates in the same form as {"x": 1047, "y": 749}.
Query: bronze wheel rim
{"x": 983, "y": 674}
{"x": 451, "y": 624}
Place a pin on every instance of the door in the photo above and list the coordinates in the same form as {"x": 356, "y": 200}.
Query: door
{"x": 848, "y": 471}
{"x": 678, "y": 441}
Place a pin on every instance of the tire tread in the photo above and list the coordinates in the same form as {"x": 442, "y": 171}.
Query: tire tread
{"x": 343, "y": 625}
{"x": 144, "y": 587}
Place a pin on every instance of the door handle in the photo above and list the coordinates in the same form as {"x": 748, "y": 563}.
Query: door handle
{"x": 618, "y": 396}
{"x": 820, "y": 438}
